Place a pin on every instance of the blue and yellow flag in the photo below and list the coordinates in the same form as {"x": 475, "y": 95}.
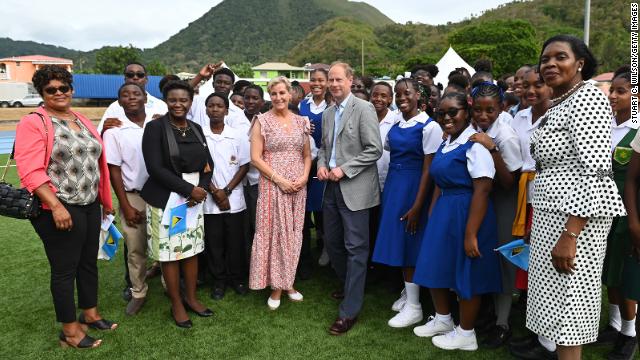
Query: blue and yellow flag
{"x": 178, "y": 221}
{"x": 111, "y": 243}
{"x": 517, "y": 252}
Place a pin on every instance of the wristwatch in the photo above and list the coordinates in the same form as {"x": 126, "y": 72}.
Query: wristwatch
{"x": 227, "y": 191}
{"x": 495, "y": 149}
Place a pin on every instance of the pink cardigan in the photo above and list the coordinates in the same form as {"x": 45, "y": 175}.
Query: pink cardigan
{"x": 32, "y": 160}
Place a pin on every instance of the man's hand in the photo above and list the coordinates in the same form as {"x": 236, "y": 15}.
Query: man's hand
{"x": 336, "y": 174}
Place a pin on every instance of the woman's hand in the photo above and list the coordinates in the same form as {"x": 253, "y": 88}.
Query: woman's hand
{"x": 300, "y": 183}
{"x": 471, "y": 247}
{"x": 412, "y": 217}
{"x": 198, "y": 194}
{"x": 285, "y": 185}
{"x": 62, "y": 218}
{"x": 132, "y": 216}
{"x": 564, "y": 253}
{"x": 634, "y": 232}
{"x": 483, "y": 139}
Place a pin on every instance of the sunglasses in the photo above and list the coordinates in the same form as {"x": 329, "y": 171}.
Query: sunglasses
{"x": 52, "y": 90}
{"x": 353, "y": 86}
{"x": 451, "y": 112}
{"x": 131, "y": 75}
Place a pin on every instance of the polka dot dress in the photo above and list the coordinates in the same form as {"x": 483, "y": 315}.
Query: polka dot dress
{"x": 572, "y": 152}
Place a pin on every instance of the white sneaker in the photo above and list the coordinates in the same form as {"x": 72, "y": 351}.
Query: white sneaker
{"x": 324, "y": 257}
{"x": 433, "y": 327}
{"x": 295, "y": 297}
{"x": 273, "y": 304}
{"x": 453, "y": 340}
{"x": 409, "y": 315}
{"x": 399, "y": 304}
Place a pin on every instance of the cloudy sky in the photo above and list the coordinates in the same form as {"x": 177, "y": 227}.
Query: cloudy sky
{"x": 86, "y": 25}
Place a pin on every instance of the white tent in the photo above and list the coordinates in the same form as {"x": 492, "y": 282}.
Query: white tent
{"x": 449, "y": 62}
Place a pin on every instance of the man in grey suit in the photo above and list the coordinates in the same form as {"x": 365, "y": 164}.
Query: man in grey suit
{"x": 347, "y": 161}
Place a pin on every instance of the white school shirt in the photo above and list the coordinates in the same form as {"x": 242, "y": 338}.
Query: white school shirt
{"x": 123, "y": 147}
{"x": 383, "y": 162}
{"x": 479, "y": 160}
{"x": 229, "y": 151}
{"x": 431, "y": 134}
{"x": 524, "y": 129}
{"x": 316, "y": 109}
{"x": 620, "y": 131}
{"x": 240, "y": 122}
{"x": 153, "y": 106}
{"x": 508, "y": 144}
{"x": 505, "y": 117}
{"x": 198, "y": 111}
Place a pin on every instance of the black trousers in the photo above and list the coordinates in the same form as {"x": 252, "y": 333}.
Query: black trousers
{"x": 225, "y": 247}
{"x": 72, "y": 257}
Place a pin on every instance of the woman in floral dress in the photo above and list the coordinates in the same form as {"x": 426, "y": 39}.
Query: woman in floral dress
{"x": 280, "y": 150}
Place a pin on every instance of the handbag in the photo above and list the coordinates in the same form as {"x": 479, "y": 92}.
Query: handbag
{"x": 18, "y": 203}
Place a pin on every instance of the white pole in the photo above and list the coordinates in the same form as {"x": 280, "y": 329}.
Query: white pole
{"x": 587, "y": 17}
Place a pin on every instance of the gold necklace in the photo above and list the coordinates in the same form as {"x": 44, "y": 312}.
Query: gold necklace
{"x": 183, "y": 131}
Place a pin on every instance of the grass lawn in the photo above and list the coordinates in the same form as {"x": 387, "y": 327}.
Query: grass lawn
{"x": 242, "y": 327}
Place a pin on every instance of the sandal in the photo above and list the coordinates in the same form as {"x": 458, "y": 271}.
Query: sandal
{"x": 86, "y": 343}
{"x": 101, "y": 324}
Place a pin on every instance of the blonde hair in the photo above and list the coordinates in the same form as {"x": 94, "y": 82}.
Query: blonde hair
{"x": 279, "y": 80}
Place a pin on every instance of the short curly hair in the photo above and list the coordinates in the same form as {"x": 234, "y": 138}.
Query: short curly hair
{"x": 177, "y": 85}
{"x": 43, "y": 76}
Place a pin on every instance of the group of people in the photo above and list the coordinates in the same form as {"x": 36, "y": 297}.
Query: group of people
{"x": 419, "y": 176}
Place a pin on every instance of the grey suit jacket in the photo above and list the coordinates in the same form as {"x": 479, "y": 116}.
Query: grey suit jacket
{"x": 358, "y": 147}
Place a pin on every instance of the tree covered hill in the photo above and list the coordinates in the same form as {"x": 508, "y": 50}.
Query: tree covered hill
{"x": 256, "y": 31}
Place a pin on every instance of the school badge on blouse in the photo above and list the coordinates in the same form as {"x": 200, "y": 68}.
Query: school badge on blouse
{"x": 233, "y": 160}
{"x": 622, "y": 155}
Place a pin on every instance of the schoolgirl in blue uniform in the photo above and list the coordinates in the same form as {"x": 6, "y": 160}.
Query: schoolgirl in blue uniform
{"x": 457, "y": 250}
{"x": 412, "y": 142}
{"x": 313, "y": 107}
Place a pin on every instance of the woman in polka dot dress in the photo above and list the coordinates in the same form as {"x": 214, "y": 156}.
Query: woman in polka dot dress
{"x": 574, "y": 200}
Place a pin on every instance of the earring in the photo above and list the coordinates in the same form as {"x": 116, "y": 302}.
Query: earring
{"x": 579, "y": 69}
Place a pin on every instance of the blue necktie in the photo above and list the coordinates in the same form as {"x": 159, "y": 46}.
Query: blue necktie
{"x": 336, "y": 125}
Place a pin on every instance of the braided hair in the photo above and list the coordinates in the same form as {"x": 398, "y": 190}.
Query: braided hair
{"x": 487, "y": 89}
{"x": 424, "y": 91}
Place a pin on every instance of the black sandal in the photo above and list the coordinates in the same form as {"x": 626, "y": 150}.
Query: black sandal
{"x": 101, "y": 324}
{"x": 86, "y": 343}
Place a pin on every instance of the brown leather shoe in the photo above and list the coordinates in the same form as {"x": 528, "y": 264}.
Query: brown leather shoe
{"x": 341, "y": 326}
{"x": 134, "y": 306}
{"x": 338, "y": 294}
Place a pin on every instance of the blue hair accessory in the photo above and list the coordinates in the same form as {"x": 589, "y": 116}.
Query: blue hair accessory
{"x": 475, "y": 90}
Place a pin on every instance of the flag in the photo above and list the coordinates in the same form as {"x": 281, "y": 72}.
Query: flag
{"x": 517, "y": 252}
{"x": 178, "y": 219}
{"x": 111, "y": 242}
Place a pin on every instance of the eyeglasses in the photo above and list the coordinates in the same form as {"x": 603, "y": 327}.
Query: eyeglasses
{"x": 451, "y": 112}
{"x": 52, "y": 90}
{"x": 139, "y": 75}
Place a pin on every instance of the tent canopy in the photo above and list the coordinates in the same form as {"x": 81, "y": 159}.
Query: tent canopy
{"x": 449, "y": 62}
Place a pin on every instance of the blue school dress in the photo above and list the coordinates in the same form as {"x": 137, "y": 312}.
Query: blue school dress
{"x": 395, "y": 246}
{"x": 442, "y": 262}
{"x": 315, "y": 187}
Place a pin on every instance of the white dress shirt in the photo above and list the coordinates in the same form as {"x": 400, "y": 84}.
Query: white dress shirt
{"x": 198, "y": 112}
{"x": 508, "y": 144}
{"x": 229, "y": 151}
{"x": 620, "y": 131}
{"x": 153, "y": 106}
{"x": 479, "y": 160}
{"x": 383, "y": 163}
{"x": 123, "y": 148}
{"x": 505, "y": 117}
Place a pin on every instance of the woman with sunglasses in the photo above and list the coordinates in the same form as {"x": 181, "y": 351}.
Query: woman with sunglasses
{"x": 60, "y": 158}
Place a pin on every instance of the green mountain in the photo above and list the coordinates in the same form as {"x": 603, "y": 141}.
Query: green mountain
{"x": 9, "y": 47}
{"x": 391, "y": 49}
{"x": 255, "y": 31}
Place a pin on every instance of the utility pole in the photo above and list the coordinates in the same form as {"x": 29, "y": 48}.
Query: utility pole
{"x": 362, "y": 57}
{"x": 587, "y": 17}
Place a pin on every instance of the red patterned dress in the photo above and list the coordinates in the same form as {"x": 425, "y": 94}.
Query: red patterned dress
{"x": 279, "y": 216}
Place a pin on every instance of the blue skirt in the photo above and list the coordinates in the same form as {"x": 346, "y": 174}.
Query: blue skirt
{"x": 394, "y": 245}
{"x": 315, "y": 190}
{"x": 443, "y": 264}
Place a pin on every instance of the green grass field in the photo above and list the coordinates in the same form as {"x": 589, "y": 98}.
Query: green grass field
{"x": 242, "y": 328}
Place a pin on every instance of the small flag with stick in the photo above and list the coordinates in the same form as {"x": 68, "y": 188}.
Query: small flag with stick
{"x": 517, "y": 252}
